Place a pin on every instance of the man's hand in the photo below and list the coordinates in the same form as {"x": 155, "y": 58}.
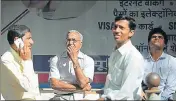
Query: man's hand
{"x": 144, "y": 97}
{"x": 72, "y": 52}
{"x": 87, "y": 87}
{"x": 25, "y": 53}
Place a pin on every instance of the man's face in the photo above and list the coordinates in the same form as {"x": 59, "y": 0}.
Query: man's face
{"x": 73, "y": 39}
{"x": 157, "y": 41}
{"x": 27, "y": 39}
{"x": 121, "y": 31}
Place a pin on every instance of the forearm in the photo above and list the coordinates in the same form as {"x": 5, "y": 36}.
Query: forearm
{"x": 61, "y": 85}
{"x": 82, "y": 79}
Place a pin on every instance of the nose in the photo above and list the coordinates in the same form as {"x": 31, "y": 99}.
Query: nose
{"x": 116, "y": 30}
{"x": 32, "y": 42}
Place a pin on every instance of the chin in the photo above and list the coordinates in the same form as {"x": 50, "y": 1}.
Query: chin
{"x": 117, "y": 40}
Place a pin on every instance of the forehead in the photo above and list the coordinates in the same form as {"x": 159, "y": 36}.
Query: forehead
{"x": 124, "y": 23}
{"x": 28, "y": 34}
{"x": 74, "y": 35}
{"x": 157, "y": 34}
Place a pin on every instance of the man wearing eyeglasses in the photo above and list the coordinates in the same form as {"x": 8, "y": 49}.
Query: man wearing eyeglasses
{"x": 161, "y": 63}
{"x": 73, "y": 69}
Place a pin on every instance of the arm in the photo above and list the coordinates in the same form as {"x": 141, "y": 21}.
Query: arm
{"x": 60, "y": 85}
{"x": 131, "y": 81}
{"x": 55, "y": 81}
{"x": 83, "y": 75}
{"x": 170, "y": 86}
{"x": 82, "y": 79}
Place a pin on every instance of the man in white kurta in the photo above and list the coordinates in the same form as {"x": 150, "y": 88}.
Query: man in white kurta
{"x": 125, "y": 70}
{"x": 73, "y": 69}
{"x": 18, "y": 80}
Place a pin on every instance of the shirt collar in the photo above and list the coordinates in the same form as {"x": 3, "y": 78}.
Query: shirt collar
{"x": 80, "y": 55}
{"x": 124, "y": 48}
{"x": 163, "y": 56}
{"x": 15, "y": 54}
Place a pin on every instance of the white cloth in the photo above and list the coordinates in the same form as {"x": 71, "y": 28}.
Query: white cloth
{"x": 61, "y": 67}
{"x": 125, "y": 74}
{"x": 18, "y": 80}
{"x": 2, "y": 98}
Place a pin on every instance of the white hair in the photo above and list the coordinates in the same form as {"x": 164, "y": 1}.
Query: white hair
{"x": 75, "y": 31}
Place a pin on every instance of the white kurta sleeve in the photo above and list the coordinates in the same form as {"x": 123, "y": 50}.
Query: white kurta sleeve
{"x": 22, "y": 78}
{"x": 54, "y": 72}
{"x": 89, "y": 68}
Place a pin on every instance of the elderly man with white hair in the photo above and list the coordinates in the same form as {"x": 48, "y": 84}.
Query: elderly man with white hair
{"x": 73, "y": 69}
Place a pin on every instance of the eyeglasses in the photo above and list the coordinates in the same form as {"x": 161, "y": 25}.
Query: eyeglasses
{"x": 74, "y": 40}
{"x": 160, "y": 37}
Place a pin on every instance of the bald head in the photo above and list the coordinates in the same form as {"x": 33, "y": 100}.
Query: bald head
{"x": 152, "y": 80}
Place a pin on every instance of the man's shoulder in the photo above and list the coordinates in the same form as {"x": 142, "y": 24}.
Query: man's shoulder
{"x": 86, "y": 57}
{"x": 135, "y": 53}
{"x": 7, "y": 56}
{"x": 170, "y": 56}
{"x": 54, "y": 58}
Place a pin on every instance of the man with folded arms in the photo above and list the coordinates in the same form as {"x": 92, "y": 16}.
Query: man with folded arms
{"x": 73, "y": 69}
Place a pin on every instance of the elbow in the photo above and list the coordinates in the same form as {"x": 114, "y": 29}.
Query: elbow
{"x": 54, "y": 86}
{"x": 84, "y": 82}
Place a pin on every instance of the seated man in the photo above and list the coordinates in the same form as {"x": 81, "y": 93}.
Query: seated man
{"x": 153, "y": 81}
{"x": 161, "y": 63}
{"x": 73, "y": 69}
{"x": 18, "y": 79}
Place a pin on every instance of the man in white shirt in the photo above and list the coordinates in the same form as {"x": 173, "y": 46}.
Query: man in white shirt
{"x": 72, "y": 69}
{"x": 18, "y": 80}
{"x": 125, "y": 73}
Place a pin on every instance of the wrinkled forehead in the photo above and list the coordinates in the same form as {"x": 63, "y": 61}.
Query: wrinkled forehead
{"x": 27, "y": 35}
{"x": 73, "y": 35}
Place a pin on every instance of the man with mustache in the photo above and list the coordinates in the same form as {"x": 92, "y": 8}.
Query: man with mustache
{"x": 161, "y": 63}
{"x": 73, "y": 69}
{"x": 125, "y": 73}
{"x": 18, "y": 80}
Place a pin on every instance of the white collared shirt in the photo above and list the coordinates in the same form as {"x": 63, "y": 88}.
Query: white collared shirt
{"x": 125, "y": 74}
{"x": 61, "y": 67}
{"x": 18, "y": 80}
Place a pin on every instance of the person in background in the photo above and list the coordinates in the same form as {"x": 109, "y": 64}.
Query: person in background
{"x": 161, "y": 63}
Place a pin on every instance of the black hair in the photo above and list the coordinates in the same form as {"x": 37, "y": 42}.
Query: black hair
{"x": 158, "y": 30}
{"x": 16, "y": 31}
{"x": 132, "y": 24}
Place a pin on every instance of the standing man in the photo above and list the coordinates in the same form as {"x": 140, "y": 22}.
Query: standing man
{"x": 18, "y": 80}
{"x": 124, "y": 78}
{"x": 161, "y": 63}
{"x": 73, "y": 69}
